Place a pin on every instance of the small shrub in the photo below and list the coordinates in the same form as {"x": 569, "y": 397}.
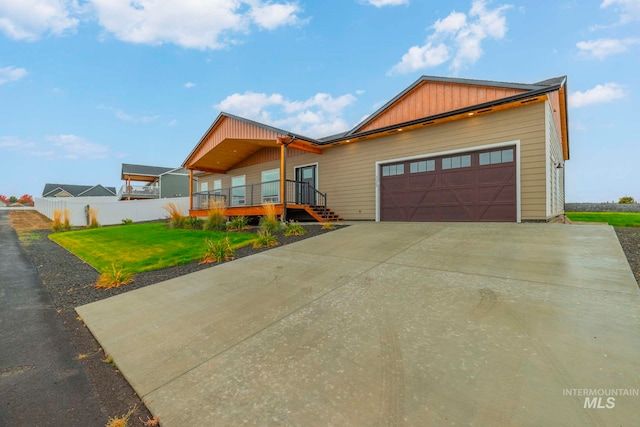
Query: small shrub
{"x": 295, "y": 229}
{"x": 122, "y": 421}
{"x": 265, "y": 240}
{"x": 92, "y": 215}
{"x": 327, "y": 226}
{"x": 57, "y": 220}
{"x": 218, "y": 251}
{"x": 113, "y": 278}
{"x": 626, "y": 200}
{"x": 192, "y": 222}
{"x": 238, "y": 223}
{"x": 127, "y": 221}
{"x": 176, "y": 217}
{"x": 216, "y": 218}
{"x": 66, "y": 222}
{"x": 270, "y": 222}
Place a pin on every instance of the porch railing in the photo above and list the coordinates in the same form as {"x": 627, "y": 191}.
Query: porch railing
{"x": 139, "y": 190}
{"x": 299, "y": 193}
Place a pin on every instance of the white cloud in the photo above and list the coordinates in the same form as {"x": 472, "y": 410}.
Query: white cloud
{"x": 74, "y": 147}
{"x": 601, "y": 48}
{"x": 382, "y": 3}
{"x": 126, "y": 117}
{"x": 629, "y": 9}
{"x": 598, "y": 95}
{"x": 30, "y": 19}
{"x": 189, "y": 85}
{"x": 318, "y": 116}
{"x": 457, "y": 38}
{"x": 11, "y": 74}
{"x": 274, "y": 15}
{"x": 66, "y": 146}
{"x": 190, "y": 23}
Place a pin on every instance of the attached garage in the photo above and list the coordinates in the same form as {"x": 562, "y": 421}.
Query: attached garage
{"x": 470, "y": 186}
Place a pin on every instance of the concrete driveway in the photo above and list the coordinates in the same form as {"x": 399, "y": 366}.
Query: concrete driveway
{"x": 391, "y": 324}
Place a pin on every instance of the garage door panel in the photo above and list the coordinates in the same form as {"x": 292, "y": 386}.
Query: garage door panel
{"x": 465, "y": 177}
{"x": 467, "y": 190}
{"x": 458, "y": 195}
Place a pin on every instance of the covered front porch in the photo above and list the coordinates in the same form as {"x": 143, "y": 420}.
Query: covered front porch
{"x": 231, "y": 146}
{"x": 303, "y": 201}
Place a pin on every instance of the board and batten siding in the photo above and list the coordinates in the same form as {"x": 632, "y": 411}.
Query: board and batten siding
{"x": 346, "y": 173}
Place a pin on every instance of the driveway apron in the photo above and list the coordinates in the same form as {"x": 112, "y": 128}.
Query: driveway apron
{"x": 391, "y": 324}
{"x": 41, "y": 384}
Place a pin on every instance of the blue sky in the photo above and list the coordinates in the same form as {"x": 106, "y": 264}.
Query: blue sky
{"x": 86, "y": 85}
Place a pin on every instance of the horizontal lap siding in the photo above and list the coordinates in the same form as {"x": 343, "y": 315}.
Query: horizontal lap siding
{"x": 347, "y": 173}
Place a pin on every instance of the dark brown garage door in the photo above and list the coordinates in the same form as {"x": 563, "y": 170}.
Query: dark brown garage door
{"x": 474, "y": 186}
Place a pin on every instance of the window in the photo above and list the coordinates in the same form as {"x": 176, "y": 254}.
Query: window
{"x": 204, "y": 186}
{"x": 456, "y": 162}
{"x": 271, "y": 186}
{"x": 238, "y": 190}
{"x": 217, "y": 187}
{"x": 392, "y": 170}
{"x": 422, "y": 166}
{"x": 495, "y": 157}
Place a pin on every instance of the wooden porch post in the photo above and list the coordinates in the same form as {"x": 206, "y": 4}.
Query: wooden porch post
{"x": 190, "y": 189}
{"x": 283, "y": 179}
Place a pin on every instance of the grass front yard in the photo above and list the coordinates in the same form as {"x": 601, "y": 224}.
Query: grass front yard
{"x": 138, "y": 248}
{"x": 616, "y": 219}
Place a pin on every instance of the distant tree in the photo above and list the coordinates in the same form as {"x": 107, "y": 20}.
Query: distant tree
{"x": 26, "y": 199}
{"x": 4, "y": 199}
{"x": 626, "y": 200}
{"x": 13, "y": 199}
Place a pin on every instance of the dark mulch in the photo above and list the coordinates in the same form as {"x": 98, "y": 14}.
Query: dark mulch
{"x": 629, "y": 238}
{"x": 69, "y": 281}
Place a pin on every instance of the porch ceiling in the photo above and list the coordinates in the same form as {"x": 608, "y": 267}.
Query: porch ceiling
{"x": 229, "y": 152}
{"x": 142, "y": 178}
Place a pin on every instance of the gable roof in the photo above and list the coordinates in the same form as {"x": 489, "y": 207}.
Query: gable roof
{"x": 155, "y": 171}
{"x": 51, "y": 190}
{"x": 431, "y": 96}
{"x": 429, "y": 100}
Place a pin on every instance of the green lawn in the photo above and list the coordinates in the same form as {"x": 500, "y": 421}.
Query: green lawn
{"x": 142, "y": 247}
{"x": 617, "y": 219}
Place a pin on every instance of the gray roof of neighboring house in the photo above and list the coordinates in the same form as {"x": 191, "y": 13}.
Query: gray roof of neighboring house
{"x": 50, "y": 190}
{"x": 129, "y": 169}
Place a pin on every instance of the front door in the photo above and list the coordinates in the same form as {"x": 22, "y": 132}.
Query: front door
{"x": 306, "y": 185}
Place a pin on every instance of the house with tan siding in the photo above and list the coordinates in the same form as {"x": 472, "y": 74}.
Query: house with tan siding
{"x": 444, "y": 149}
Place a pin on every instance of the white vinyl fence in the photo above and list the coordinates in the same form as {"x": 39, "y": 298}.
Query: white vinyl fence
{"x": 110, "y": 210}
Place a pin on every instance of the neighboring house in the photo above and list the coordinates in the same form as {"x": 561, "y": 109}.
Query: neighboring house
{"x": 66, "y": 190}
{"x": 444, "y": 149}
{"x": 160, "y": 182}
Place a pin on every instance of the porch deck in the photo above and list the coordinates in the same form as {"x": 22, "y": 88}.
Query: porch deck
{"x": 303, "y": 201}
